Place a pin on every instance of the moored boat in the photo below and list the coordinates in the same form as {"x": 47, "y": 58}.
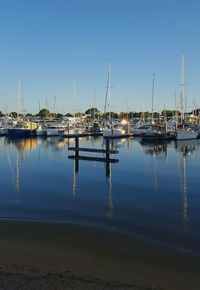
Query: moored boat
{"x": 55, "y": 130}
{"x": 113, "y": 132}
{"x": 23, "y": 129}
{"x": 186, "y": 134}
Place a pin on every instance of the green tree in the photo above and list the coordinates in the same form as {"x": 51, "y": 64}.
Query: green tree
{"x": 123, "y": 115}
{"x": 156, "y": 115}
{"x": 92, "y": 111}
{"x": 44, "y": 113}
{"x": 78, "y": 114}
{"x": 112, "y": 115}
{"x": 169, "y": 113}
{"x": 13, "y": 114}
{"x": 68, "y": 115}
{"x": 1, "y": 114}
{"x": 59, "y": 115}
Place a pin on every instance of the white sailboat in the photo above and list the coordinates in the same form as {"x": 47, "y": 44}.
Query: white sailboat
{"x": 111, "y": 130}
{"x": 184, "y": 133}
{"x": 41, "y": 130}
{"x": 55, "y": 130}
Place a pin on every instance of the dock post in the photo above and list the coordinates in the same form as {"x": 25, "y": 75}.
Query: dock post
{"x": 77, "y": 146}
{"x": 107, "y": 148}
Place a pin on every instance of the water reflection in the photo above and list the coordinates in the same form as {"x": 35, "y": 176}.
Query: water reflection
{"x": 14, "y": 170}
{"x": 75, "y": 173}
{"x": 118, "y": 143}
{"x": 30, "y": 144}
{"x": 155, "y": 149}
{"x": 108, "y": 175}
{"x": 108, "y": 166}
{"x": 108, "y": 193}
{"x": 185, "y": 149}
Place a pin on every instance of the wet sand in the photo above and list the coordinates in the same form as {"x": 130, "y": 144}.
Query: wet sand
{"x": 35, "y": 255}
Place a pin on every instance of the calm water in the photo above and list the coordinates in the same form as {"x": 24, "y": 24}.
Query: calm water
{"x": 152, "y": 192}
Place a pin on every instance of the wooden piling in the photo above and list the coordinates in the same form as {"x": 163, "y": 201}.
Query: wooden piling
{"x": 107, "y": 148}
{"x": 77, "y": 146}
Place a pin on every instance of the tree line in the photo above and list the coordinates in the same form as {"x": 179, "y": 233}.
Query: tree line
{"x": 95, "y": 113}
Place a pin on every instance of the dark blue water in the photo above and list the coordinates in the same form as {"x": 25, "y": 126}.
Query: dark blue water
{"x": 152, "y": 192}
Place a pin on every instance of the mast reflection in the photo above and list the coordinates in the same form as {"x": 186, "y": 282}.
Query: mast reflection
{"x": 108, "y": 167}
{"x": 75, "y": 172}
{"x": 185, "y": 149}
{"x": 155, "y": 149}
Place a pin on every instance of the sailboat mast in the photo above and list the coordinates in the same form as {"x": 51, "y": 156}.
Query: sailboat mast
{"x": 182, "y": 89}
{"x": 152, "y": 101}
{"x": 54, "y": 105}
{"x": 18, "y": 96}
{"x": 74, "y": 96}
{"x": 94, "y": 115}
{"x": 107, "y": 96}
{"x": 109, "y": 89}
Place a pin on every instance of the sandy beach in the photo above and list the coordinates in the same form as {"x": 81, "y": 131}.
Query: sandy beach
{"x": 35, "y": 255}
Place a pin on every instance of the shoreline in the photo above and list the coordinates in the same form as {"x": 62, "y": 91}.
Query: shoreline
{"x": 112, "y": 230}
{"x": 83, "y": 257}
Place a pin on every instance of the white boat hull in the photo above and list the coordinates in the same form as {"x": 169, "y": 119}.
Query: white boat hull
{"x": 113, "y": 132}
{"x": 186, "y": 135}
{"x": 41, "y": 132}
{"x": 55, "y": 132}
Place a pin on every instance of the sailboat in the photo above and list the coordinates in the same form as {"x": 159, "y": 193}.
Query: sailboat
{"x": 183, "y": 132}
{"x": 3, "y": 131}
{"x": 112, "y": 129}
{"x": 154, "y": 131}
{"x": 23, "y": 128}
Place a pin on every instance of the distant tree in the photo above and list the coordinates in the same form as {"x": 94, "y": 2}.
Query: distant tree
{"x": 131, "y": 115}
{"x": 53, "y": 115}
{"x": 13, "y": 114}
{"x": 68, "y": 115}
{"x": 156, "y": 115}
{"x": 59, "y": 115}
{"x": 44, "y": 113}
{"x": 92, "y": 111}
{"x": 112, "y": 115}
{"x": 78, "y": 114}
{"x": 170, "y": 113}
{"x": 137, "y": 114}
{"x": 123, "y": 115}
{"x": 29, "y": 115}
{"x": 1, "y": 114}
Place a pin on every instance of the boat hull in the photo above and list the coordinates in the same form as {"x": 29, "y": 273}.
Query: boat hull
{"x": 113, "y": 133}
{"x": 186, "y": 135}
{"x": 55, "y": 132}
{"x": 41, "y": 132}
{"x": 20, "y": 132}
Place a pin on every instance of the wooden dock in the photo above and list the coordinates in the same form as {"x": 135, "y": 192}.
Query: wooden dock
{"x": 82, "y": 135}
{"x": 105, "y": 151}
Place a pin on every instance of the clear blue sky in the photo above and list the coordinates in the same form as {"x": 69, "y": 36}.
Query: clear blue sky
{"x": 49, "y": 43}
